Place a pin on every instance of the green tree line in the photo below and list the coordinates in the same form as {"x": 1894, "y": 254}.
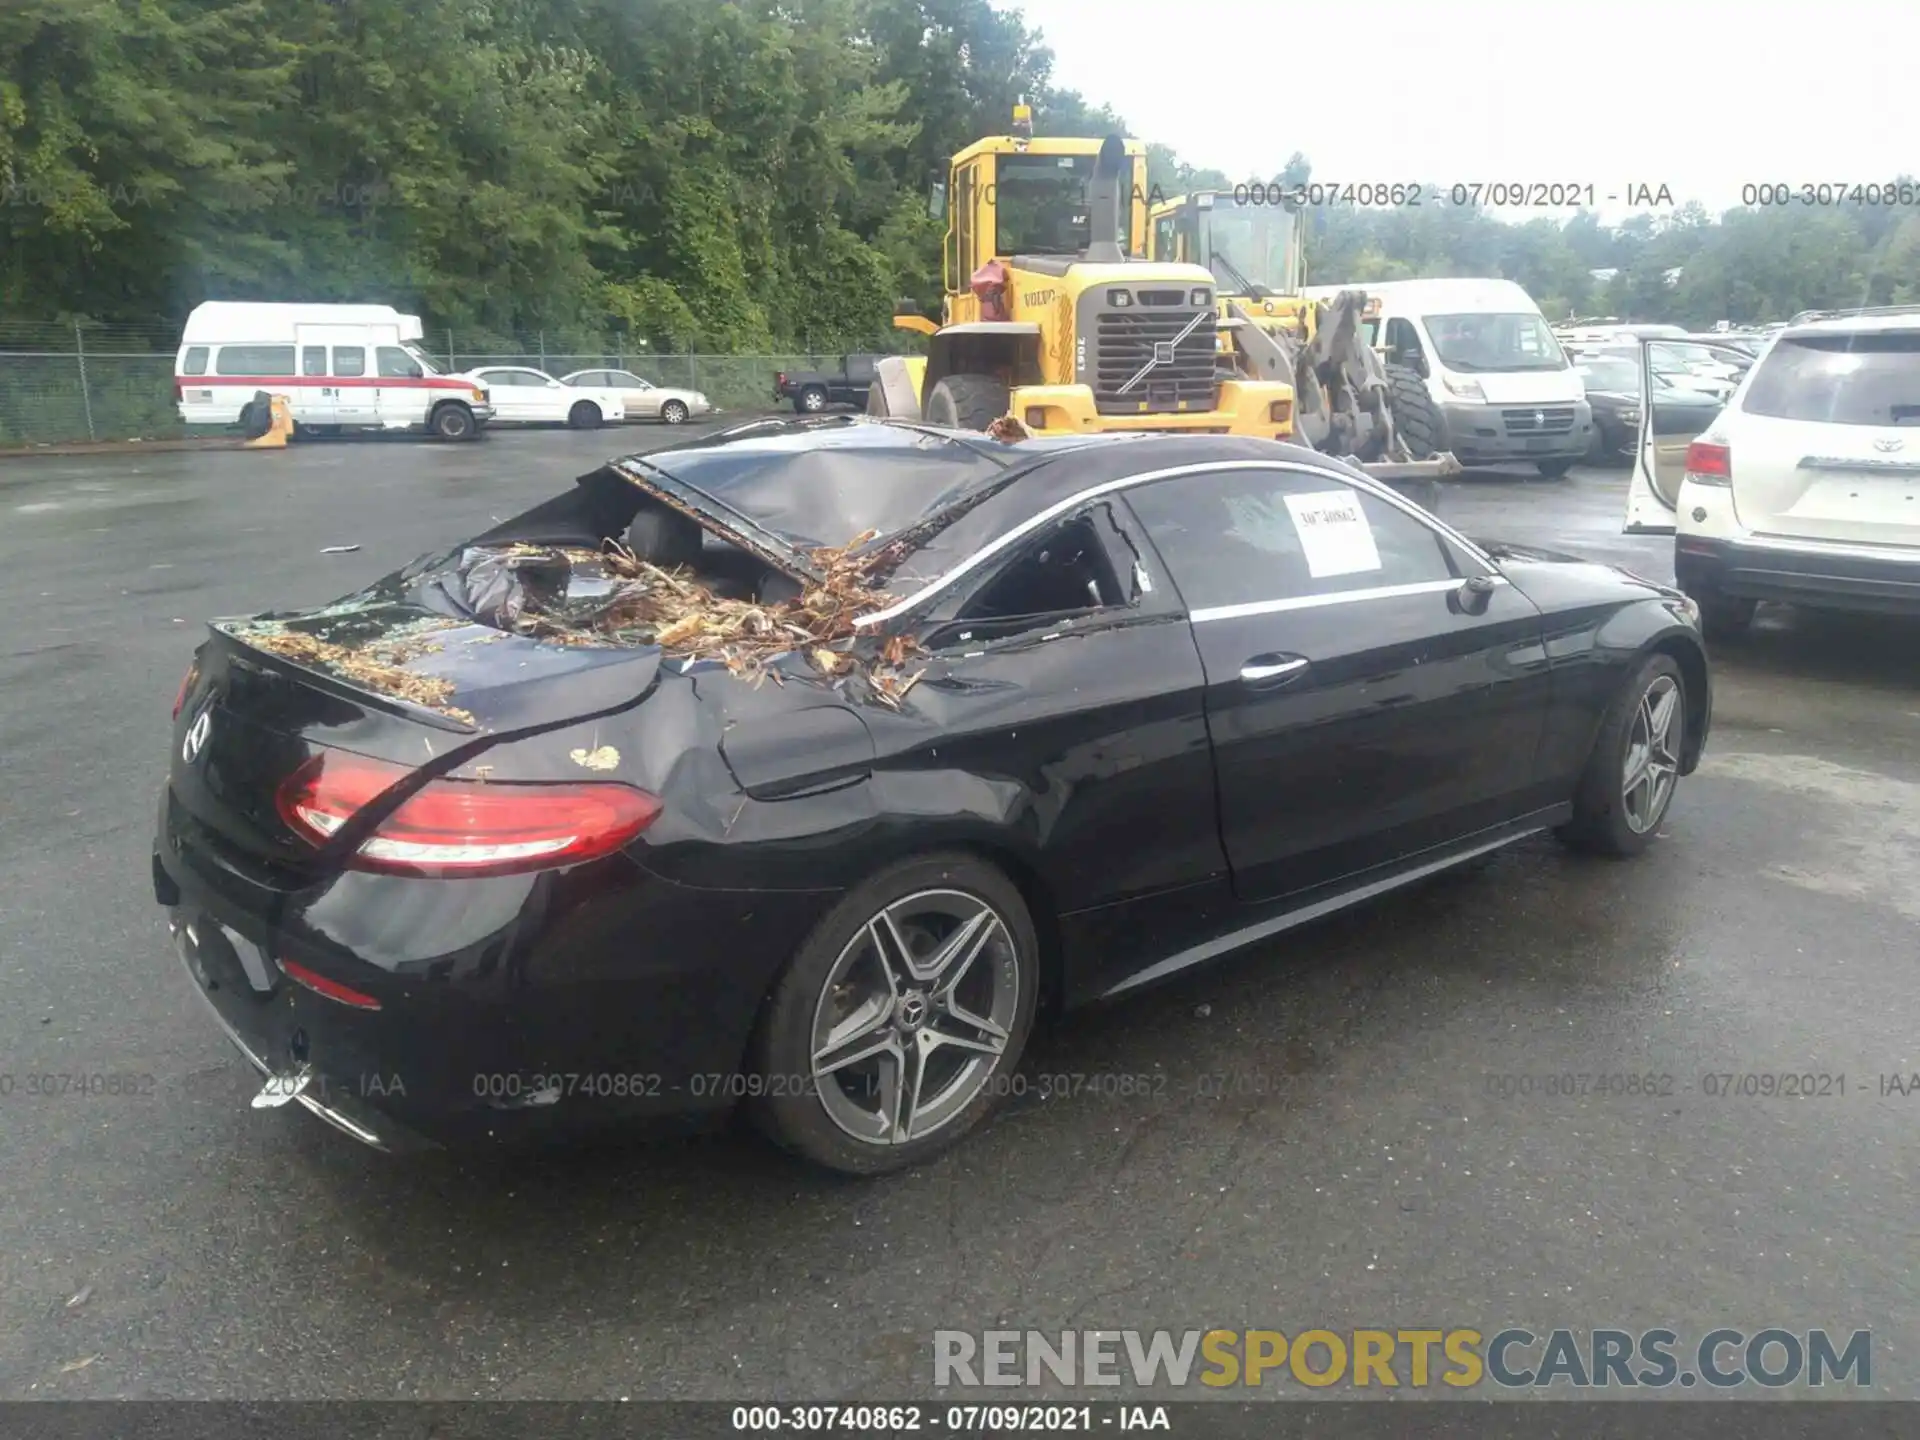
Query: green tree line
{"x": 716, "y": 174}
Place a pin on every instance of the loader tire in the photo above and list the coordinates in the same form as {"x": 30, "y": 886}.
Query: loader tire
{"x": 967, "y": 402}
{"x": 1414, "y": 413}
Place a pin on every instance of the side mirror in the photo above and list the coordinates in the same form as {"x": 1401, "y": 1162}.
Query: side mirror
{"x": 1473, "y": 595}
{"x": 937, "y": 201}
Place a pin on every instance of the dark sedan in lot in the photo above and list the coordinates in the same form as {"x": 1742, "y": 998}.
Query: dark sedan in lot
{"x": 802, "y": 766}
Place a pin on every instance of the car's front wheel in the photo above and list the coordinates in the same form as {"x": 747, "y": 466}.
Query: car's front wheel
{"x": 453, "y": 421}
{"x": 896, "y": 1027}
{"x": 1635, "y": 765}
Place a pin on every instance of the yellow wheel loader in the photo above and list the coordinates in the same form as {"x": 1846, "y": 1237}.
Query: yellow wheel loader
{"x": 1347, "y": 401}
{"x": 1053, "y": 314}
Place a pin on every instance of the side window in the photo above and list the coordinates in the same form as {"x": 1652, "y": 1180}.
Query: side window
{"x": 1066, "y": 570}
{"x": 313, "y": 360}
{"x": 195, "y": 362}
{"x": 1166, "y": 240}
{"x": 1243, "y": 537}
{"x": 1403, "y": 342}
{"x": 272, "y": 360}
{"x": 349, "y": 359}
{"x": 396, "y": 364}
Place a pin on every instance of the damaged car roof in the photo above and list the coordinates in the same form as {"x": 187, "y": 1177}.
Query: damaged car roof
{"x": 783, "y": 489}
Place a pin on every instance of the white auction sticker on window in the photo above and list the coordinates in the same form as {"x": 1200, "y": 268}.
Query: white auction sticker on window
{"x": 1334, "y": 533}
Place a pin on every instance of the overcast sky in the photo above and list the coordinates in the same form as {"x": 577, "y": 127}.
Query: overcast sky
{"x": 1703, "y": 96}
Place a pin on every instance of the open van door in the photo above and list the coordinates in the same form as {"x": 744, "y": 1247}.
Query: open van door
{"x": 1671, "y": 417}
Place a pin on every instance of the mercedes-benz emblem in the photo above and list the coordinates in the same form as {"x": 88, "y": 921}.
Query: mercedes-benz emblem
{"x": 1887, "y": 444}
{"x": 196, "y": 738}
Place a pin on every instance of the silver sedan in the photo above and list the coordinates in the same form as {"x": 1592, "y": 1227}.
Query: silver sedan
{"x": 646, "y": 400}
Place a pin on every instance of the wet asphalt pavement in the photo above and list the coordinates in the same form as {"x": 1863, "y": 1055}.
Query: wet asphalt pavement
{"x": 1361, "y": 1171}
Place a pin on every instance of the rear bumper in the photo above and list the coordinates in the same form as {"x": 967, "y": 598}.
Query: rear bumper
{"x": 1477, "y": 435}
{"x": 509, "y": 1009}
{"x": 1844, "y": 576}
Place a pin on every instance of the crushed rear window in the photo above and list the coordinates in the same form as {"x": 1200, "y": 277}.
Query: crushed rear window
{"x": 1857, "y": 379}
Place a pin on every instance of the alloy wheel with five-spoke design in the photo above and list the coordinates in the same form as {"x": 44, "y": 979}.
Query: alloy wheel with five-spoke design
{"x": 1652, "y": 763}
{"x": 915, "y": 1016}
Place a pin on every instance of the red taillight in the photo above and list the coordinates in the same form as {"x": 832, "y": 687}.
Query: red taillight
{"x": 332, "y": 989}
{"x": 186, "y": 686}
{"x": 1705, "y": 458}
{"x": 453, "y": 828}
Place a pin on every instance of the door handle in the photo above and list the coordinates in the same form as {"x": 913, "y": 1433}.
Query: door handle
{"x": 1265, "y": 670}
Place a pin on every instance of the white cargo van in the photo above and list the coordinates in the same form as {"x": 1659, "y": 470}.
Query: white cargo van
{"x": 1501, "y": 383}
{"x": 341, "y": 367}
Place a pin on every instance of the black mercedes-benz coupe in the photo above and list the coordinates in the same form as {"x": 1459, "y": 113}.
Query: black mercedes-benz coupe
{"x": 801, "y": 766}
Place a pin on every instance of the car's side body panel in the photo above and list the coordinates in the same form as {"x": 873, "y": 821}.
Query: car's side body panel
{"x": 1152, "y": 813}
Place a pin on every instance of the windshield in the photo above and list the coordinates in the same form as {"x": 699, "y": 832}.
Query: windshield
{"x": 1479, "y": 343}
{"x": 1859, "y": 379}
{"x": 1248, "y": 248}
{"x": 426, "y": 361}
{"x": 1041, "y": 205}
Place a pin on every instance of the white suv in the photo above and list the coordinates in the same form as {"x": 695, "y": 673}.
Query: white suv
{"x": 1806, "y": 488}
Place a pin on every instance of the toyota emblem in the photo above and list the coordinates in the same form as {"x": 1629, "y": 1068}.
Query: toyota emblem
{"x": 1887, "y": 444}
{"x": 197, "y": 733}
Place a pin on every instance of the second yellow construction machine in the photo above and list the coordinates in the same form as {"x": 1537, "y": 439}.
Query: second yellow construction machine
{"x": 1347, "y": 401}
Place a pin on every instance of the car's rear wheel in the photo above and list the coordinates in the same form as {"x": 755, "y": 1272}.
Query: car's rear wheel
{"x": 673, "y": 413}
{"x": 1635, "y": 766}
{"x": 584, "y": 416}
{"x": 894, "y": 1029}
{"x": 811, "y": 401}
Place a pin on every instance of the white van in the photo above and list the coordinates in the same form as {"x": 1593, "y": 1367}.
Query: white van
{"x": 1501, "y": 383}
{"x": 341, "y": 367}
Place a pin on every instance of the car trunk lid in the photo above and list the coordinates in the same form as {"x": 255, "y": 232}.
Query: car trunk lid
{"x": 1827, "y": 443}
{"x": 393, "y": 681}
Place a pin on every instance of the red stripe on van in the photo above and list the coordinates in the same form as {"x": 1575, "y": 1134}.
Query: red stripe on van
{"x": 336, "y": 382}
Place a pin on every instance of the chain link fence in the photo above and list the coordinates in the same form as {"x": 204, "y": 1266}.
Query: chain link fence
{"x": 63, "y": 383}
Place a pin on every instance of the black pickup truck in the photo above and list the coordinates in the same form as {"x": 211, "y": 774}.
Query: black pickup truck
{"x": 812, "y": 391}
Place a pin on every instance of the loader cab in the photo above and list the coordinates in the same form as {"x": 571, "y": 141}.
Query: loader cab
{"x": 1252, "y": 247}
{"x": 1012, "y": 197}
